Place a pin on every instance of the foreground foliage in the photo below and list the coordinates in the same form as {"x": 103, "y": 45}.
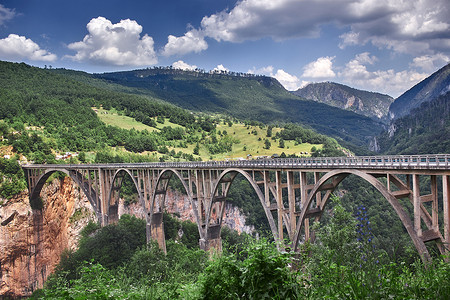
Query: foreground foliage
{"x": 343, "y": 264}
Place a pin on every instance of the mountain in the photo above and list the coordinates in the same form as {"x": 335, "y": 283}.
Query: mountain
{"x": 425, "y": 130}
{"x": 244, "y": 96}
{"x": 429, "y": 89}
{"x": 373, "y": 105}
{"x": 420, "y": 118}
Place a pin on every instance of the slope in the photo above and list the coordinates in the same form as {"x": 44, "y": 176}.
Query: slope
{"x": 426, "y": 129}
{"x": 373, "y": 105}
{"x": 243, "y": 96}
{"x": 427, "y": 90}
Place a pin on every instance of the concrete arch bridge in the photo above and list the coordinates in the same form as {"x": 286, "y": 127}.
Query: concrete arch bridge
{"x": 293, "y": 192}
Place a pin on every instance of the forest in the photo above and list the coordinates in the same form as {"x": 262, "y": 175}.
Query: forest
{"x": 114, "y": 262}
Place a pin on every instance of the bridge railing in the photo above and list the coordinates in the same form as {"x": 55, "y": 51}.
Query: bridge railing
{"x": 430, "y": 161}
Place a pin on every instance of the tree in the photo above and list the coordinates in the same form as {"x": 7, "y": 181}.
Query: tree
{"x": 281, "y": 143}
{"x": 267, "y": 144}
{"x": 269, "y": 131}
{"x": 197, "y": 149}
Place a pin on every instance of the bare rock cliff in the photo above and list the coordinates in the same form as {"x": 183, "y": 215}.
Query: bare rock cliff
{"x": 31, "y": 241}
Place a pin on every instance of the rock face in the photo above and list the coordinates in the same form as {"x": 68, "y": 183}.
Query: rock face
{"x": 373, "y": 105}
{"x": 31, "y": 241}
{"x": 427, "y": 90}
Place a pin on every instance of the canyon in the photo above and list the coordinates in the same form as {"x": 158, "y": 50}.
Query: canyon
{"x": 32, "y": 240}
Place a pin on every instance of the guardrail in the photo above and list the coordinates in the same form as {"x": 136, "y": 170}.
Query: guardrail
{"x": 431, "y": 161}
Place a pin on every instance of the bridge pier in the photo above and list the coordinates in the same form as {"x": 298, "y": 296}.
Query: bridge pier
{"x": 157, "y": 230}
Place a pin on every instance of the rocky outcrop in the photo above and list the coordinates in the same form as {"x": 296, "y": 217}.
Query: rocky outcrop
{"x": 178, "y": 204}
{"x": 373, "y": 105}
{"x": 31, "y": 241}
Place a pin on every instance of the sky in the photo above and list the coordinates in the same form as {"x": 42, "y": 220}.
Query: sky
{"x": 384, "y": 46}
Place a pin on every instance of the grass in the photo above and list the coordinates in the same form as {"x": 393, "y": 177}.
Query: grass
{"x": 250, "y": 139}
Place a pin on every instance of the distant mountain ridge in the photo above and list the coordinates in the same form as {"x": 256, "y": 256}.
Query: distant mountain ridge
{"x": 420, "y": 118}
{"x": 425, "y": 91}
{"x": 370, "y": 104}
{"x": 244, "y": 96}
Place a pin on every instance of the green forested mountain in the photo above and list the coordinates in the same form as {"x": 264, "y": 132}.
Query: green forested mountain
{"x": 243, "y": 96}
{"x": 47, "y": 111}
{"x": 427, "y": 90}
{"x": 420, "y": 120}
{"x": 424, "y": 130}
{"x": 373, "y": 105}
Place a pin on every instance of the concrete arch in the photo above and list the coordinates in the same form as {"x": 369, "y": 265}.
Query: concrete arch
{"x": 90, "y": 193}
{"x": 256, "y": 188}
{"x": 175, "y": 172}
{"x": 418, "y": 243}
{"x": 112, "y": 213}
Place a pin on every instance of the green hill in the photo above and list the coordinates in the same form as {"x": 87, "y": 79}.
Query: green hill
{"x": 46, "y": 113}
{"x": 243, "y": 96}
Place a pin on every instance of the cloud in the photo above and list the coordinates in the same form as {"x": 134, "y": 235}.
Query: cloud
{"x": 430, "y": 63}
{"x": 16, "y": 47}
{"x": 416, "y": 26}
{"x": 192, "y": 41}
{"x": 117, "y": 44}
{"x": 220, "y": 68}
{"x": 320, "y": 69}
{"x": 6, "y": 14}
{"x": 356, "y": 74}
{"x": 183, "y": 66}
{"x": 268, "y": 71}
{"x": 290, "y": 82}
{"x": 413, "y": 27}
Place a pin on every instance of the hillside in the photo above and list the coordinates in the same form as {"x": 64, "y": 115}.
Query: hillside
{"x": 425, "y": 91}
{"x": 420, "y": 118}
{"x": 243, "y": 96}
{"x": 369, "y": 104}
{"x": 426, "y": 129}
{"x": 46, "y": 113}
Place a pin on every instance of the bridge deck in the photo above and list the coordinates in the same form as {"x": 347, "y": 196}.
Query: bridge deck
{"x": 436, "y": 162}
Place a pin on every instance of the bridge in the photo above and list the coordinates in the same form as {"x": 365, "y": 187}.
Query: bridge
{"x": 293, "y": 192}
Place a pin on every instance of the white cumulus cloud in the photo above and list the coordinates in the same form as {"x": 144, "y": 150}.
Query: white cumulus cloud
{"x": 183, "y": 66}
{"x": 192, "y": 41}
{"x": 356, "y": 74}
{"x": 15, "y": 47}
{"x": 322, "y": 68}
{"x": 430, "y": 63}
{"x": 220, "y": 68}
{"x": 118, "y": 44}
{"x": 414, "y": 27}
{"x": 290, "y": 82}
{"x": 6, "y": 14}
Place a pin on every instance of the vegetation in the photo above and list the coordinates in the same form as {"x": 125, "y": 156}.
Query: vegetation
{"x": 242, "y": 96}
{"x": 12, "y": 179}
{"x": 425, "y": 130}
{"x": 47, "y": 112}
{"x": 343, "y": 263}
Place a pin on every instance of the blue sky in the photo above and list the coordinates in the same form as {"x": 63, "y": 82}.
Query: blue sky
{"x": 377, "y": 45}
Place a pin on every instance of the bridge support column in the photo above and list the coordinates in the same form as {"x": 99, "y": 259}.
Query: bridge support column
{"x": 157, "y": 230}
{"x": 446, "y": 198}
{"x": 213, "y": 243}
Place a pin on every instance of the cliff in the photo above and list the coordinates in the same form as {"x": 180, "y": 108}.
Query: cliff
{"x": 31, "y": 241}
{"x": 372, "y": 105}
